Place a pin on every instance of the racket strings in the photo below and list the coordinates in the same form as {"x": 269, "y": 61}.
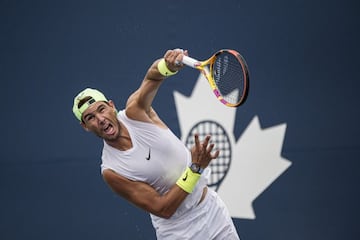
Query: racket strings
{"x": 228, "y": 74}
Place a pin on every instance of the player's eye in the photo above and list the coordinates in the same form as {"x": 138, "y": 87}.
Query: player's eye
{"x": 102, "y": 109}
{"x": 89, "y": 118}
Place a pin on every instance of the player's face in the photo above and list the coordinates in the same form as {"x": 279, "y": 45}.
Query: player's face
{"x": 100, "y": 118}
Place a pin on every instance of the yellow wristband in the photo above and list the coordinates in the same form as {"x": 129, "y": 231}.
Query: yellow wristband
{"x": 163, "y": 69}
{"x": 188, "y": 180}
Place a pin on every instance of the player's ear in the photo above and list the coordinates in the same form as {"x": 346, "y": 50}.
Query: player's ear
{"x": 84, "y": 126}
{"x": 112, "y": 104}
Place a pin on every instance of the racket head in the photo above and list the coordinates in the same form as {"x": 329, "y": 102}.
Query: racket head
{"x": 228, "y": 77}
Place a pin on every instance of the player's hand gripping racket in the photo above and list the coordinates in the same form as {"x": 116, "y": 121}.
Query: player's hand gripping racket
{"x": 227, "y": 74}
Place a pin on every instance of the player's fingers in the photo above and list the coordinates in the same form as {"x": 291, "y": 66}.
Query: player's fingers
{"x": 197, "y": 142}
{"x": 206, "y": 141}
{"x": 170, "y": 56}
{"x": 179, "y": 53}
{"x": 216, "y": 154}
{"x": 179, "y": 59}
{"x": 167, "y": 54}
{"x": 173, "y": 59}
{"x": 210, "y": 147}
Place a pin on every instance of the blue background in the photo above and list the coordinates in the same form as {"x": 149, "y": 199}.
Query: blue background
{"x": 304, "y": 62}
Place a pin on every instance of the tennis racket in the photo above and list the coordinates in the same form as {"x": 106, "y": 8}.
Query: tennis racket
{"x": 227, "y": 74}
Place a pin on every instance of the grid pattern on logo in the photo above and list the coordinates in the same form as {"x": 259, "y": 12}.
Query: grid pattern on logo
{"x": 220, "y": 166}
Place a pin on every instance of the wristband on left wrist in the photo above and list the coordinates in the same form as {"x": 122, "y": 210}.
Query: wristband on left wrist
{"x": 163, "y": 69}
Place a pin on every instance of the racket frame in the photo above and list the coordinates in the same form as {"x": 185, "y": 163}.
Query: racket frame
{"x": 202, "y": 66}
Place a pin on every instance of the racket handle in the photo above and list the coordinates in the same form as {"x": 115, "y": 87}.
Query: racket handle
{"x": 191, "y": 62}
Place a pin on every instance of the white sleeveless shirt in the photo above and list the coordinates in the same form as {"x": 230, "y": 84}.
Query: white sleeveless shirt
{"x": 157, "y": 157}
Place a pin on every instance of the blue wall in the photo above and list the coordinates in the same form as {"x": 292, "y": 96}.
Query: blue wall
{"x": 304, "y": 63}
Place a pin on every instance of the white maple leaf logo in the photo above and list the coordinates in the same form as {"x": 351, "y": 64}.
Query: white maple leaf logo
{"x": 255, "y": 159}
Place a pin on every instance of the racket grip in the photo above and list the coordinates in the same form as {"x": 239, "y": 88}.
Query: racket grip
{"x": 191, "y": 62}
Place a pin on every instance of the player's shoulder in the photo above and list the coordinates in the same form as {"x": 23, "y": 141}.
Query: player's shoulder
{"x": 110, "y": 176}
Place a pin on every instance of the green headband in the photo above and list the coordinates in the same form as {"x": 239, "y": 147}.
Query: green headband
{"x": 95, "y": 96}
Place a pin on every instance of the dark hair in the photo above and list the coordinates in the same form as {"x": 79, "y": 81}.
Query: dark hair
{"x": 84, "y": 100}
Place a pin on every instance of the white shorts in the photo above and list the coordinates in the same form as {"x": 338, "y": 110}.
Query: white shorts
{"x": 210, "y": 220}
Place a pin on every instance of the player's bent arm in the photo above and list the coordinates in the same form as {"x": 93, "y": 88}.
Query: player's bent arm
{"x": 138, "y": 106}
{"x": 146, "y": 93}
{"x": 144, "y": 196}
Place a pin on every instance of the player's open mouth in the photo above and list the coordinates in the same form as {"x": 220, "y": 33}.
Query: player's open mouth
{"x": 108, "y": 129}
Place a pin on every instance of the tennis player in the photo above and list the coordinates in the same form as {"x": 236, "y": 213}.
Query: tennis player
{"x": 145, "y": 163}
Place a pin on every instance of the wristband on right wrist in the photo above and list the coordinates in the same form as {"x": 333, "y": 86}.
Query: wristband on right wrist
{"x": 188, "y": 180}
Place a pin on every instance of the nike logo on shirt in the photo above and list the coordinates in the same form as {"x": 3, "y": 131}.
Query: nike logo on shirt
{"x": 149, "y": 156}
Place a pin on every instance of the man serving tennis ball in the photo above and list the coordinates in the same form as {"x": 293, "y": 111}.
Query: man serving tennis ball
{"x": 145, "y": 163}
